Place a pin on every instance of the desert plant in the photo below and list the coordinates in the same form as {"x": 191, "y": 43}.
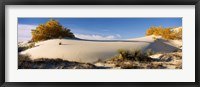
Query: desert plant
{"x": 24, "y": 62}
{"x": 22, "y": 48}
{"x": 123, "y": 54}
{"x": 60, "y": 43}
{"x": 50, "y": 30}
{"x": 23, "y": 57}
{"x": 166, "y": 33}
{"x": 133, "y": 55}
{"x": 31, "y": 45}
{"x": 149, "y": 52}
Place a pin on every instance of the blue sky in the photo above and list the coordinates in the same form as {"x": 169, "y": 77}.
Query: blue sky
{"x": 100, "y": 28}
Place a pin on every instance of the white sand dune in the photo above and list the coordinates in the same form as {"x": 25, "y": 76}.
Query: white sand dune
{"x": 95, "y": 50}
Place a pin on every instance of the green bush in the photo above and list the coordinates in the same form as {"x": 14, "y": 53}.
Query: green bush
{"x": 133, "y": 55}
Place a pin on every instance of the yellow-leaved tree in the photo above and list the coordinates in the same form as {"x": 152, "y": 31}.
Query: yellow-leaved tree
{"x": 51, "y": 30}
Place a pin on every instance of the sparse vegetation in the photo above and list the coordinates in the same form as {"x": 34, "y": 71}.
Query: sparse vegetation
{"x": 24, "y": 62}
{"x": 133, "y": 59}
{"x": 22, "y": 48}
{"x": 22, "y": 58}
{"x": 25, "y": 47}
{"x": 138, "y": 60}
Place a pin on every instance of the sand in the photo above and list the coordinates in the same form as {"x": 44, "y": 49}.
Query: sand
{"x": 90, "y": 51}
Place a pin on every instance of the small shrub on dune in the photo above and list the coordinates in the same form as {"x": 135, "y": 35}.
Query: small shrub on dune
{"x": 31, "y": 45}
{"x": 136, "y": 53}
{"x": 133, "y": 55}
{"x": 149, "y": 52}
{"x": 60, "y": 37}
{"x": 60, "y": 43}
{"x": 123, "y": 54}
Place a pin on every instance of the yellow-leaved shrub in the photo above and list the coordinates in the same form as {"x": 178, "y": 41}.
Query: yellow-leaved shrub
{"x": 166, "y": 33}
{"x": 50, "y": 30}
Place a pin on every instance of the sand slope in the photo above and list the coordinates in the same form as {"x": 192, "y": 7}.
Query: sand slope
{"x": 94, "y": 50}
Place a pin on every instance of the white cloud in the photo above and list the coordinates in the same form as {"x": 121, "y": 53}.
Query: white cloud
{"x": 97, "y": 37}
{"x": 24, "y": 31}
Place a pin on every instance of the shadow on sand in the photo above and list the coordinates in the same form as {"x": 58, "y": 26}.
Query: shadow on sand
{"x": 161, "y": 45}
